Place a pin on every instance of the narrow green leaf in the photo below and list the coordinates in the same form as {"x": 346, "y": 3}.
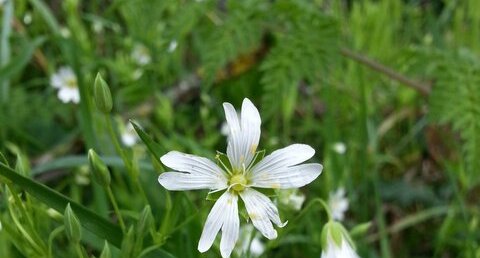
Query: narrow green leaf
{"x": 47, "y": 15}
{"x": 91, "y": 221}
{"x": 152, "y": 146}
{"x": 16, "y": 64}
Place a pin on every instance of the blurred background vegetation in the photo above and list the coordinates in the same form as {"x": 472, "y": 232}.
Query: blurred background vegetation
{"x": 397, "y": 82}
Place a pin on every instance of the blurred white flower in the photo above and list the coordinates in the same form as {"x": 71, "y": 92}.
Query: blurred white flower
{"x": 172, "y": 46}
{"x": 27, "y": 18}
{"x": 97, "y": 27}
{"x": 279, "y": 170}
{"x": 82, "y": 176}
{"x": 338, "y": 204}
{"x": 336, "y": 244}
{"x": 137, "y": 73}
{"x": 340, "y": 147}
{"x": 1, "y": 3}
{"x": 141, "y": 54}
{"x": 291, "y": 198}
{"x": 129, "y": 136}
{"x": 1, "y": 227}
{"x": 65, "y": 81}
{"x": 253, "y": 246}
{"x": 65, "y": 32}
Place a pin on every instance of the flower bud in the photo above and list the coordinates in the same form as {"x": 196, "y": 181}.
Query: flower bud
{"x": 336, "y": 242}
{"x": 72, "y": 225}
{"x": 106, "y": 253}
{"x": 102, "y": 95}
{"x": 100, "y": 170}
{"x": 144, "y": 222}
{"x": 128, "y": 244}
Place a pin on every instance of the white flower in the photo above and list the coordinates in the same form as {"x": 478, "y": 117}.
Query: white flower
{"x": 66, "y": 82}
{"x": 338, "y": 204}
{"x": 27, "y": 18}
{"x": 129, "y": 136}
{"x": 340, "y": 148}
{"x": 172, "y": 46}
{"x": 141, "y": 54}
{"x": 291, "y": 198}
{"x": 280, "y": 170}
{"x": 336, "y": 244}
{"x": 247, "y": 244}
{"x": 65, "y": 32}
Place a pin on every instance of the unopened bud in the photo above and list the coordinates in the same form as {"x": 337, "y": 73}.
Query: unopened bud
{"x": 102, "y": 95}
{"x": 106, "y": 253}
{"x": 99, "y": 169}
{"x": 72, "y": 225}
{"x": 144, "y": 221}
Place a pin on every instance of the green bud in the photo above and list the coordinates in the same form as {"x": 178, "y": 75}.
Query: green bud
{"x": 106, "y": 253}
{"x": 332, "y": 230}
{"x": 360, "y": 229}
{"x": 102, "y": 95}
{"x": 128, "y": 244}
{"x": 72, "y": 225}
{"x": 99, "y": 169}
{"x": 144, "y": 222}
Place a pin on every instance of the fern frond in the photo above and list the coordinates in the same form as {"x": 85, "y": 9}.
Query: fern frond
{"x": 455, "y": 99}
{"x": 304, "y": 49}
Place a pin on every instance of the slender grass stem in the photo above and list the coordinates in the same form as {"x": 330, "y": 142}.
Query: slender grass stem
{"x": 132, "y": 170}
{"x": 115, "y": 208}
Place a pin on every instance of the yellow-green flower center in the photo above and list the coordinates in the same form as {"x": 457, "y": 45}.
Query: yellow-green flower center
{"x": 238, "y": 182}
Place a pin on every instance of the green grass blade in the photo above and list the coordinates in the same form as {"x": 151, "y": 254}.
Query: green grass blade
{"x": 18, "y": 63}
{"x": 152, "y": 146}
{"x": 91, "y": 221}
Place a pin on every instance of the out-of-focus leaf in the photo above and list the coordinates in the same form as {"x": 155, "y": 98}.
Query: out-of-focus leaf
{"x": 16, "y": 64}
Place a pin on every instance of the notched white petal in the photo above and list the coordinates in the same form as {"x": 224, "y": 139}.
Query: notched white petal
{"x": 283, "y": 158}
{"x": 290, "y": 177}
{"x": 222, "y": 216}
{"x": 262, "y": 212}
{"x": 178, "y": 181}
{"x": 193, "y": 164}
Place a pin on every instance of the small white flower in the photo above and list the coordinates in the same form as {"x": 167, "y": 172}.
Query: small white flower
{"x": 337, "y": 245}
{"x": 141, "y": 54}
{"x": 279, "y": 170}
{"x": 97, "y": 27}
{"x": 340, "y": 148}
{"x": 338, "y": 204}
{"x": 253, "y": 246}
{"x": 129, "y": 136}
{"x": 292, "y": 198}
{"x": 65, "y": 32}
{"x": 27, "y": 18}
{"x": 172, "y": 46}
{"x": 66, "y": 82}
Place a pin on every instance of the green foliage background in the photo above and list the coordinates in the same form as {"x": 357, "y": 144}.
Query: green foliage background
{"x": 396, "y": 81}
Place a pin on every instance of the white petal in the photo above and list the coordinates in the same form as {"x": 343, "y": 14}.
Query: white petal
{"x": 178, "y": 181}
{"x": 262, "y": 212}
{"x": 282, "y": 158}
{"x": 290, "y": 177}
{"x": 192, "y": 164}
{"x": 231, "y": 226}
{"x": 222, "y": 214}
{"x": 244, "y": 134}
{"x": 199, "y": 173}
{"x": 69, "y": 95}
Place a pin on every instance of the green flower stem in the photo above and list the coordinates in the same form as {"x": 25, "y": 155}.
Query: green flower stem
{"x": 132, "y": 170}
{"x": 52, "y": 236}
{"x": 78, "y": 249}
{"x": 115, "y": 208}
